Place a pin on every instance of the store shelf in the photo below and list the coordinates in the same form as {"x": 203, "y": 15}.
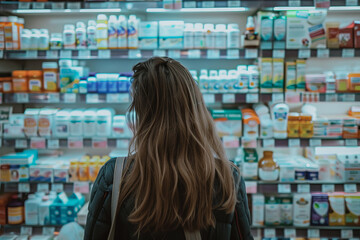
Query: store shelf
{"x": 310, "y": 53}
{"x": 105, "y": 143}
{"x": 224, "y": 98}
{"x": 31, "y": 187}
{"x": 22, "y": 229}
{"x": 311, "y": 232}
{"x": 87, "y": 54}
{"x": 68, "y": 143}
{"x": 257, "y": 186}
{"x": 313, "y": 142}
{"x": 47, "y": 98}
{"x": 143, "y": 6}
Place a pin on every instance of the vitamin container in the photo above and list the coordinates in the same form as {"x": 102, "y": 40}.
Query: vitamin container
{"x": 104, "y": 122}
{"x": 76, "y": 122}
{"x": 31, "y": 121}
{"x": 89, "y": 125}
{"x": 62, "y": 123}
{"x": 354, "y": 82}
{"x": 251, "y": 123}
{"x": 4, "y": 199}
{"x": 35, "y": 81}
{"x": 20, "y": 81}
{"x": 342, "y": 82}
{"x": 6, "y": 85}
{"x": 83, "y": 170}
{"x": 50, "y": 73}
{"x": 306, "y": 126}
{"x": 46, "y": 121}
{"x": 293, "y": 125}
{"x": 15, "y": 210}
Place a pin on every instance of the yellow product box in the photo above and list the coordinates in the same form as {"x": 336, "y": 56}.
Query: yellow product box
{"x": 300, "y": 75}
{"x": 266, "y": 75}
{"x": 336, "y": 209}
{"x": 290, "y": 73}
{"x": 278, "y": 75}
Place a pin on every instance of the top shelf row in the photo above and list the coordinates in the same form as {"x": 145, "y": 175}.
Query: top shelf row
{"x": 28, "y": 7}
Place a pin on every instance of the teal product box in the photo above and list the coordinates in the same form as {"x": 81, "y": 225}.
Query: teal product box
{"x": 23, "y": 158}
{"x": 266, "y": 32}
{"x": 64, "y": 209}
{"x": 227, "y": 122}
{"x": 69, "y": 80}
{"x": 280, "y": 32}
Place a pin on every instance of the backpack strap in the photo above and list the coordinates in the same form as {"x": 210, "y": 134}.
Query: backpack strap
{"x": 192, "y": 235}
{"x": 118, "y": 171}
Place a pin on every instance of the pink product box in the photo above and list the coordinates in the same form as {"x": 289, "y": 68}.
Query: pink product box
{"x": 41, "y": 173}
{"x": 61, "y": 174}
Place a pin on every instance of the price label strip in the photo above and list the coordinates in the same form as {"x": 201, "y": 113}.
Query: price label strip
{"x": 69, "y": 97}
{"x": 228, "y": 98}
{"x": 294, "y": 142}
{"x": 122, "y": 143}
{"x": 269, "y": 233}
{"x": 53, "y": 144}
{"x": 350, "y": 188}
{"x": 348, "y": 52}
{"x": 269, "y": 142}
{"x": 315, "y": 142}
{"x": 313, "y": 233}
{"x": 252, "y": 98}
{"x": 251, "y": 53}
{"x": 232, "y": 54}
{"x": 54, "y": 97}
{"x": 277, "y": 97}
{"x": 92, "y": 98}
{"x": 99, "y": 143}
{"x": 351, "y": 2}
{"x": 75, "y": 142}
{"x": 278, "y": 53}
{"x": 346, "y": 233}
{"x": 112, "y": 98}
{"x": 84, "y": 54}
{"x": 57, "y": 187}
{"x": 37, "y": 143}
{"x": 294, "y": 3}
{"x": 233, "y": 3}
{"x": 304, "y": 53}
{"x": 231, "y": 142}
{"x": 159, "y": 53}
{"x": 290, "y": 232}
{"x": 134, "y": 54}
{"x": 208, "y": 4}
{"x": 81, "y": 187}
{"x": 22, "y": 97}
{"x": 303, "y": 188}
{"x": 43, "y": 187}
{"x": 38, "y": 5}
{"x": 209, "y": 98}
{"x": 26, "y": 230}
{"x": 351, "y": 142}
{"x": 48, "y": 231}
{"x": 21, "y": 143}
{"x": 174, "y": 54}
{"x": 328, "y": 188}
{"x": 213, "y": 54}
{"x": 284, "y": 188}
{"x": 65, "y": 54}
{"x": 104, "y": 54}
{"x": 323, "y": 53}
{"x": 24, "y": 187}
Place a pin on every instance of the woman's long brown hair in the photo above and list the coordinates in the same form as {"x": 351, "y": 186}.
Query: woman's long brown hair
{"x": 176, "y": 154}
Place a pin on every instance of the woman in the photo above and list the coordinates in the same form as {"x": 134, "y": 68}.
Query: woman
{"x": 177, "y": 177}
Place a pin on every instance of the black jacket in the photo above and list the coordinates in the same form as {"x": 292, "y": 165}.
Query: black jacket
{"x": 234, "y": 226}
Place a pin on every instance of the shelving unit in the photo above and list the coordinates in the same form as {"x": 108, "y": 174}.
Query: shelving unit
{"x": 36, "y": 15}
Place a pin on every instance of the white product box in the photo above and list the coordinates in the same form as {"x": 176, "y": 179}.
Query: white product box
{"x": 302, "y": 209}
{"x": 171, "y": 34}
{"x": 41, "y": 173}
{"x": 148, "y": 35}
{"x": 258, "y": 204}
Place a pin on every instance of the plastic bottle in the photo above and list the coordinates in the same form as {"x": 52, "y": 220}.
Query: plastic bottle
{"x": 74, "y": 171}
{"x": 222, "y": 80}
{"x": 102, "y": 32}
{"x": 35, "y": 80}
{"x": 268, "y": 168}
{"x": 293, "y": 125}
{"x": 133, "y": 32}
{"x": 250, "y": 29}
{"x": 62, "y": 123}
{"x": 204, "y": 81}
{"x": 25, "y": 39}
{"x": 56, "y": 41}
{"x": 32, "y": 210}
{"x": 34, "y": 39}
{"x": 306, "y": 129}
{"x": 209, "y": 36}
{"x": 220, "y": 36}
{"x": 104, "y": 122}
{"x": 199, "y": 36}
{"x": 80, "y": 33}
{"x": 254, "y": 78}
{"x": 231, "y": 81}
{"x": 91, "y": 34}
{"x": 93, "y": 169}
{"x": 69, "y": 38}
{"x": 213, "y": 81}
{"x": 20, "y": 81}
{"x": 280, "y": 120}
{"x": 83, "y": 85}
{"x": 44, "y": 39}
{"x": 113, "y": 26}
{"x": 233, "y": 36}
{"x": 50, "y": 71}
{"x": 244, "y": 78}
{"x": 122, "y": 32}
{"x": 102, "y": 82}
{"x": 76, "y": 122}
{"x": 91, "y": 84}
{"x": 89, "y": 124}
{"x": 83, "y": 169}
{"x": 123, "y": 84}
{"x": 189, "y": 36}
{"x": 15, "y": 210}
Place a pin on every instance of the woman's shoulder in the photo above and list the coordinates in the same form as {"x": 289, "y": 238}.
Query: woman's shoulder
{"x": 106, "y": 174}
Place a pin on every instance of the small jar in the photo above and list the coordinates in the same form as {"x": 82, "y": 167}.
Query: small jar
{"x": 35, "y": 81}
{"x": 7, "y": 85}
{"x": 50, "y": 76}
{"x": 20, "y": 81}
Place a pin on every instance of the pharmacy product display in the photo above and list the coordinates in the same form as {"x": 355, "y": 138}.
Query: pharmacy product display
{"x": 27, "y": 166}
{"x": 40, "y": 209}
{"x": 279, "y": 123}
{"x": 285, "y": 108}
{"x": 64, "y": 123}
{"x": 296, "y": 168}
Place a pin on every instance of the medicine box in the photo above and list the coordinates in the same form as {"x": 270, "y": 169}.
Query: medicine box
{"x": 228, "y": 122}
{"x": 171, "y": 34}
{"x": 41, "y": 173}
{"x": 148, "y": 35}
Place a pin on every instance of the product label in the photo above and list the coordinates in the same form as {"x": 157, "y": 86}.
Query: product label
{"x": 50, "y": 81}
{"x": 337, "y": 211}
{"x": 268, "y": 175}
